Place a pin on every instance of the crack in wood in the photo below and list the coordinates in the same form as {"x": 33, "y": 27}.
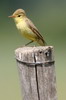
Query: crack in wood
{"x": 36, "y": 78}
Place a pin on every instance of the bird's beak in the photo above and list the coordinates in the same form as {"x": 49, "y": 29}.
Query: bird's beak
{"x": 12, "y": 16}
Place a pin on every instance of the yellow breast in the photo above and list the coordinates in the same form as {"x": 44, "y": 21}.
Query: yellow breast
{"x": 25, "y": 30}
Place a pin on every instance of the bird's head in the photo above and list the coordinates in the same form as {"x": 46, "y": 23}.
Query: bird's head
{"x": 18, "y": 15}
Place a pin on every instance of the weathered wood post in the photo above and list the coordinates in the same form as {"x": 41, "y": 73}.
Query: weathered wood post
{"x": 37, "y": 72}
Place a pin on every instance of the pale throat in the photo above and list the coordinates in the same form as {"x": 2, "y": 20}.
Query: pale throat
{"x": 18, "y": 20}
{"x": 21, "y": 25}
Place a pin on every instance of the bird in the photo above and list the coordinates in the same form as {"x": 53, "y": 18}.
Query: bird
{"x": 27, "y": 28}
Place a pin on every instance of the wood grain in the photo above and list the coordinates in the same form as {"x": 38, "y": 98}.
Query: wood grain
{"x": 37, "y": 72}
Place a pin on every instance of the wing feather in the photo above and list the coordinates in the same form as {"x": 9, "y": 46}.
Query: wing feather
{"x": 34, "y": 29}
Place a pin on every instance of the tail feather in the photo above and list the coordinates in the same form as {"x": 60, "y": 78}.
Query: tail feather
{"x": 41, "y": 42}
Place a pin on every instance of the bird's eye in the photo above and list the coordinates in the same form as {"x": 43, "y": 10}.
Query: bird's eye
{"x": 19, "y": 15}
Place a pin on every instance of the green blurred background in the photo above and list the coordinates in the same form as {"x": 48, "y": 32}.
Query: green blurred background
{"x": 50, "y": 18}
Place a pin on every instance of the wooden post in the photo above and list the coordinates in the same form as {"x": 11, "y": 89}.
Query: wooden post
{"x": 37, "y": 72}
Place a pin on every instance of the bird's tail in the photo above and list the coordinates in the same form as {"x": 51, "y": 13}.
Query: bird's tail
{"x": 41, "y": 42}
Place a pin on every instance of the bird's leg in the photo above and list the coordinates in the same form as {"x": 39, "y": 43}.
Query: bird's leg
{"x": 29, "y": 43}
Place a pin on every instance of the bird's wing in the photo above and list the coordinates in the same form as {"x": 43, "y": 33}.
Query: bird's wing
{"x": 34, "y": 29}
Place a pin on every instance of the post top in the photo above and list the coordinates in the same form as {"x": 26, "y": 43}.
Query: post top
{"x": 20, "y": 53}
{"x": 31, "y": 49}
